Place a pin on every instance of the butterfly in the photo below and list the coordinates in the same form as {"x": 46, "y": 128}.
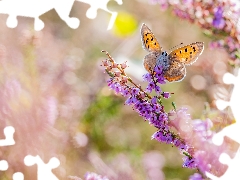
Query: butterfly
{"x": 173, "y": 63}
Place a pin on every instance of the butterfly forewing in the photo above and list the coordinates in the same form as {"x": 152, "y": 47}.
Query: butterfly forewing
{"x": 187, "y": 54}
{"x": 149, "y": 41}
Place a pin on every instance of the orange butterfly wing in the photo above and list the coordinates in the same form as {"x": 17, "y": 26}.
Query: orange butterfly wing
{"x": 175, "y": 72}
{"x": 149, "y": 41}
{"x": 187, "y": 54}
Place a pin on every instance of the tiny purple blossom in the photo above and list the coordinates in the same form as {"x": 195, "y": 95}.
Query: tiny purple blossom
{"x": 166, "y": 95}
{"x": 147, "y": 77}
{"x": 135, "y": 91}
{"x": 125, "y": 92}
{"x": 131, "y": 100}
{"x": 157, "y": 108}
{"x": 163, "y": 137}
{"x": 158, "y": 69}
{"x": 196, "y": 176}
{"x": 218, "y": 21}
{"x": 163, "y": 117}
{"x": 94, "y": 176}
{"x": 158, "y": 89}
{"x": 118, "y": 88}
{"x": 154, "y": 100}
{"x": 110, "y": 82}
{"x": 180, "y": 145}
{"x": 150, "y": 87}
{"x": 134, "y": 100}
{"x": 128, "y": 101}
{"x": 189, "y": 162}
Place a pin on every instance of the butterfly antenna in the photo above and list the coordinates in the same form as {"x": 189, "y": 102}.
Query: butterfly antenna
{"x": 176, "y": 46}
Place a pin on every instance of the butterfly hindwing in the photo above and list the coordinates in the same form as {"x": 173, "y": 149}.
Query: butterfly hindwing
{"x": 175, "y": 72}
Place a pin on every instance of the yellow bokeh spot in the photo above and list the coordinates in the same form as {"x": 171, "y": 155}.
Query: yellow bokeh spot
{"x": 125, "y": 24}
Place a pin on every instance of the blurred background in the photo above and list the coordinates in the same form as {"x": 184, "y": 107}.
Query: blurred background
{"x": 53, "y": 91}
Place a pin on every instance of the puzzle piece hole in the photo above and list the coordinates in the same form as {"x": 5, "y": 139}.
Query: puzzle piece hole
{"x": 44, "y": 169}
{"x": 114, "y": 6}
{"x": 18, "y": 176}
{"x": 3, "y": 165}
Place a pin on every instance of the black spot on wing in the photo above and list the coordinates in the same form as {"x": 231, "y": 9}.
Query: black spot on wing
{"x": 194, "y": 49}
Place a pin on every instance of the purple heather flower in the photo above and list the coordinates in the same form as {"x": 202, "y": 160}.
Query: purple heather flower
{"x": 163, "y": 136}
{"x": 160, "y": 79}
{"x": 114, "y": 86}
{"x": 158, "y": 70}
{"x": 117, "y": 88}
{"x": 135, "y": 91}
{"x": 129, "y": 101}
{"x": 154, "y": 100}
{"x": 166, "y": 95}
{"x": 94, "y": 176}
{"x": 125, "y": 92}
{"x": 150, "y": 87}
{"x": 110, "y": 82}
{"x": 218, "y": 12}
{"x": 147, "y": 77}
{"x": 157, "y": 89}
{"x": 218, "y": 21}
{"x": 157, "y": 108}
{"x": 134, "y": 100}
{"x": 163, "y": 117}
{"x": 189, "y": 162}
{"x": 196, "y": 176}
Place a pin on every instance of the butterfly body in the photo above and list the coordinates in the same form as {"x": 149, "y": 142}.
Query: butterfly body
{"x": 173, "y": 63}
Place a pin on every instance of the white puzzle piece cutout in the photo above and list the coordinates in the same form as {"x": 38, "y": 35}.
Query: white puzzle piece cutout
{"x": 232, "y": 172}
{"x": 100, "y": 4}
{"x": 18, "y": 176}
{"x": 3, "y": 165}
{"x": 36, "y": 8}
{"x": 44, "y": 170}
{"x": 8, "y": 132}
{"x": 232, "y": 131}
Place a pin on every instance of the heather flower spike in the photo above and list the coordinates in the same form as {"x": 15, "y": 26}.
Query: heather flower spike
{"x": 149, "y": 107}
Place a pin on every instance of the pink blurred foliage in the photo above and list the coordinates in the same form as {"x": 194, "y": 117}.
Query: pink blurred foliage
{"x": 198, "y": 135}
{"x": 36, "y": 98}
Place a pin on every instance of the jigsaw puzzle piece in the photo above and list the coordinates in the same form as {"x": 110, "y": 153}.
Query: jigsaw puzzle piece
{"x": 18, "y": 176}
{"x": 100, "y": 4}
{"x": 232, "y": 172}
{"x": 36, "y": 8}
{"x": 44, "y": 170}
{"x": 63, "y": 9}
{"x": 235, "y": 96}
{"x": 8, "y": 132}
{"x": 3, "y": 165}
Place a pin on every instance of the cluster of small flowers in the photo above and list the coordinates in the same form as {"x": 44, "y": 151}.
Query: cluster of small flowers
{"x": 220, "y": 18}
{"x": 89, "y": 176}
{"x": 150, "y": 108}
{"x": 197, "y": 134}
{"x": 94, "y": 176}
